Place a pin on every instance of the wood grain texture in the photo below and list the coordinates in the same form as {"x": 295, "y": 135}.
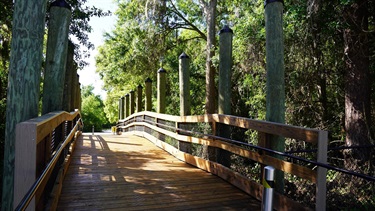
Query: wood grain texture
{"x": 130, "y": 173}
{"x": 285, "y": 166}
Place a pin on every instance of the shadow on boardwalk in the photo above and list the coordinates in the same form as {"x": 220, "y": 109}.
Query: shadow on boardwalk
{"x": 129, "y": 173}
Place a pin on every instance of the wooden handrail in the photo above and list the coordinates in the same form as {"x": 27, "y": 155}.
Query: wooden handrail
{"x": 33, "y": 154}
{"x": 313, "y": 136}
{"x": 289, "y": 131}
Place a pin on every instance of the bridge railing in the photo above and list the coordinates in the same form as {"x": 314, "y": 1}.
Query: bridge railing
{"x": 44, "y": 145}
{"x": 179, "y": 136}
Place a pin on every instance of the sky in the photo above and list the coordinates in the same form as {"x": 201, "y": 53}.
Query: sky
{"x": 99, "y": 27}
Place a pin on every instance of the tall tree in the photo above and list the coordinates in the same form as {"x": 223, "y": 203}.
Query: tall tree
{"x": 357, "y": 82}
{"x": 209, "y": 8}
{"x": 23, "y": 85}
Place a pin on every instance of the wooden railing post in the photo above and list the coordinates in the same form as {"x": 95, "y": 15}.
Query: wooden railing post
{"x": 127, "y": 105}
{"x": 225, "y": 87}
{"x": 225, "y": 70}
{"x": 77, "y": 91}
{"x": 23, "y": 82}
{"x": 57, "y": 46}
{"x": 73, "y": 88}
{"x": 275, "y": 84}
{"x": 132, "y": 102}
{"x": 79, "y": 97}
{"x": 321, "y": 187}
{"x": 139, "y": 98}
{"x": 161, "y": 91}
{"x": 67, "y": 98}
{"x": 184, "y": 78}
{"x": 148, "y": 91}
{"x": 121, "y": 107}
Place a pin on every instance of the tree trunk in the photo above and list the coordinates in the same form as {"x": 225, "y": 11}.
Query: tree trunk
{"x": 315, "y": 20}
{"x": 357, "y": 84}
{"x": 210, "y": 11}
{"x": 24, "y": 77}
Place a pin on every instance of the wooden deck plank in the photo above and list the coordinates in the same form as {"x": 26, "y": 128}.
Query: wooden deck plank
{"x": 112, "y": 172}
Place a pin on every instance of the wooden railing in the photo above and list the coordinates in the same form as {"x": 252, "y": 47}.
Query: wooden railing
{"x": 44, "y": 145}
{"x": 155, "y": 127}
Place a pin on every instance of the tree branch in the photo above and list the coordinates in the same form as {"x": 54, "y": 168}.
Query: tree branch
{"x": 193, "y": 27}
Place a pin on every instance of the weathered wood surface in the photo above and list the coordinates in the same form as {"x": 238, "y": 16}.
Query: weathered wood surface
{"x": 130, "y": 173}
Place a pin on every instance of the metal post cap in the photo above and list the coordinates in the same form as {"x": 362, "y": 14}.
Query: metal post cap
{"x": 161, "y": 70}
{"x": 226, "y": 29}
{"x": 183, "y": 56}
{"x": 148, "y": 80}
{"x": 266, "y": 2}
{"x": 61, "y": 3}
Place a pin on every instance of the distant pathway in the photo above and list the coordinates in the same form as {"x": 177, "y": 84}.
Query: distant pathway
{"x": 125, "y": 172}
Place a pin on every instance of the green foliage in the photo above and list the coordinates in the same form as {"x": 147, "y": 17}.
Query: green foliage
{"x": 93, "y": 110}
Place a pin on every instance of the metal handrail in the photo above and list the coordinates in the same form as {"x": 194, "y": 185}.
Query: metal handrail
{"x": 31, "y": 193}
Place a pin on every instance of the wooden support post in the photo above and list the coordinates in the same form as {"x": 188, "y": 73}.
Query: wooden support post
{"x": 275, "y": 99}
{"x": 184, "y": 78}
{"x": 57, "y": 46}
{"x": 148, "y": 92}
{"x": 79, "y": 97}
{"x": 132, "y": 102}
{"x": 225, "y": 87}
{"x": 73, "y": 88}
{"x": 67, "y": 97}
{"x": 122, "y": 107}
{"x": 225, "y": 70}
{"x": 127, "y": 105}
{"x": 76, "y": 101}
{"x": 139, "y": 98}
{"x": 23, "y": 82}
{"x": 321, "y": 181}
{"x": 161, "y": 91}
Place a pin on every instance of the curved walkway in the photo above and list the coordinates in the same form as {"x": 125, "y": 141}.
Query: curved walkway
{"x": 126, "y": 172}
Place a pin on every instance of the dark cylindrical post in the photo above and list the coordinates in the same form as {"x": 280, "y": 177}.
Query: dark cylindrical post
{"x": 76, "y": 100}
{"x": 119, "y": 108}
{"x": 67, "y": 97}
{"x": 225, "y": 88}
{"x": 23, "y": 92}
{"x": 275, "y": 84}
{"x": 122, "y": 109}
{"x": 127, "y": 106}
{"x": 225, "y": 70}
{"x": 161, "y": 91}
{"x": 184, "y": 78}
{"x": 57, "y": 46}
{"x": 132, "y": 102}
{"x": 79, "y": 97}
{"x": 73, "y": 88}
{"x": 268, "y": 185}
{"x": 148, "y": 92}
{"x": 139, "y": 98}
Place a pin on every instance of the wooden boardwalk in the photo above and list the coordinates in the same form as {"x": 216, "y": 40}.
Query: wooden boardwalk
{"x": 125, "y": 172}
